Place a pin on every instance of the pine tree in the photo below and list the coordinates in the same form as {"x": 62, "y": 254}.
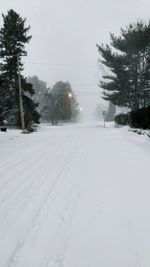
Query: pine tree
{"x": 128, "y": 60}
{"x": 13, "y": 38}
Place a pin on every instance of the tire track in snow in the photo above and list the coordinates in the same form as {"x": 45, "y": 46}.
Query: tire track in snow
{"x": 17, "y": 157}
{"x": 22, "y": 158}
{"x": 35, "y": 163}
{"x": 12, "y": 201}
{"x": 63, "y": 233}
{"x": 31, "y": 164}
{"x": 22, "y": 240}
{"x": 60, "y": 235}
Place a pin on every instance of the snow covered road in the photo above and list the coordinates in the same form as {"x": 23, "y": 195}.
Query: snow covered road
{"x": 74, "y": 196}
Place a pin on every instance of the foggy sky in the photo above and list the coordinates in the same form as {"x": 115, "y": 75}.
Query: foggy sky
{"x": 65, "y": 33}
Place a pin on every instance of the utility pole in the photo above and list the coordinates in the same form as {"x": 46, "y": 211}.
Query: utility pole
{"x": 20, "y": 97}
{"x": 104, "y": 116}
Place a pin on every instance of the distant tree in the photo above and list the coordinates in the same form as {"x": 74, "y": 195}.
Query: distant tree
{"x": 61, "y": 103}
{"x": 128, "y": 61}
{"x": 46, "y": 106}
{"x": 39, "y": 89}
{"x": 40, "y": 96}
{"x": 13, "y": 37}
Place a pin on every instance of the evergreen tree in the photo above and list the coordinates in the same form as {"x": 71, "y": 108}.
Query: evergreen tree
{"x": 13, "y": 37}
{"x": 128, "y": 60}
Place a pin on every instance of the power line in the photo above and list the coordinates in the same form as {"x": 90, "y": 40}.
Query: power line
{"x": 77, "y": 92}
{"x": 60, "y": 65}
{"x": 74, "y": 92}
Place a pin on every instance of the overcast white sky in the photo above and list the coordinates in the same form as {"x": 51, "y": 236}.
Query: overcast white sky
{"x": 65, "y": 33}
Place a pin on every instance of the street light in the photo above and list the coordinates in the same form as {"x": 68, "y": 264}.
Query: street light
{"x": 70, "y": 95}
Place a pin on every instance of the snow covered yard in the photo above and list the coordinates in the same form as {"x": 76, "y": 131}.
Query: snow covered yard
{"x": 74, "y": 196}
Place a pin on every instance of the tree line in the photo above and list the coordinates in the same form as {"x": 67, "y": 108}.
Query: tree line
{"x": 56, "y": 104}
{"x": 60, "y": 102}
{"x": 126, "y": 82}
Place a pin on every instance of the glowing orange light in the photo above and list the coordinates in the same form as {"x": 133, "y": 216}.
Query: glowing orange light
{"x": 70, "y": 95}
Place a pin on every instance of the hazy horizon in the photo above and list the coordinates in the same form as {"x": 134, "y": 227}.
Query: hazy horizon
{"x": 64, "y": 36}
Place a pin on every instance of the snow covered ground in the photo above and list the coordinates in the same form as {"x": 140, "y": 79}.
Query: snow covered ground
{"x": 74, "y": 196}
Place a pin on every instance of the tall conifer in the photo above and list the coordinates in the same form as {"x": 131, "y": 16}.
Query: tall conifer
{"x": 13, "y": 38}
{"x": 128, "y": 60}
